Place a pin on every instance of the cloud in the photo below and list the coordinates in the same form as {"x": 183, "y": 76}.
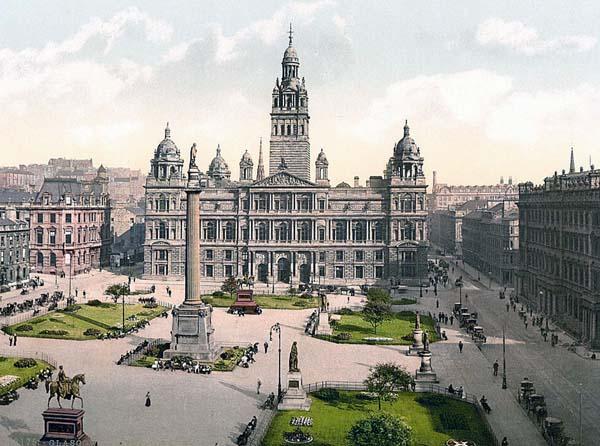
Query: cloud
{"x": 178, "y": 52}
{"x": 524, "y": 39}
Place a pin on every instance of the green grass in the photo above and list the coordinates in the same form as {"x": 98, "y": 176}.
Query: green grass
{"x": 268, "y": 302}
{"x": 396, "y": 327}
{"x": 332, "y": 420}
{"x": 404, "y": 301}
{"x": 227, "y": 365}
{"x": 7, "y": 367}
{"x": 76, "y": 323}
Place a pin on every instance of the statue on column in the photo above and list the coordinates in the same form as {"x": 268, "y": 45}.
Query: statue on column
{"x": 418, "y": 321}
{"x": 193, "y": 152}
{"x": 425, "y": 341}
{"x": 293, "y": 362}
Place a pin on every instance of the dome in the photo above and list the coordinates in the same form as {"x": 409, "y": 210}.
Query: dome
{"x": 343, "y": 185}
{"x": 290, "y": 54}
{"x": 101, "y": 169}
{"x": 406, "y": 147}
{"x": 167, "y": 147}
{"x": 321, "y": 158}
{"x": 218, "y": 167}
{"x": 246, "y": 159}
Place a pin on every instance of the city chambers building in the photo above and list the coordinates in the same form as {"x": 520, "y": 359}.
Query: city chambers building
{"x": 286, "y": 227}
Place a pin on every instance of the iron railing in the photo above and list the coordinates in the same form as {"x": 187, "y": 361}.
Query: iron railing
{"x": 18, "y": 353}
{"x": 18, "y": 318}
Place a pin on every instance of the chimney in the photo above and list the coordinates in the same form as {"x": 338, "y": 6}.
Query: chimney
{"x": 356, "y": 182}
{"x": 509, "y": 180}
{"x": 434, "y": 179}
{"x": 11, "y": 212}
{"x": 501, "y": 180}
{"x": 368, "y": 183}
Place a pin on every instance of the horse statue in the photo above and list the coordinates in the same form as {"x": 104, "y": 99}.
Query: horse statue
{"x": 69, "y": 390}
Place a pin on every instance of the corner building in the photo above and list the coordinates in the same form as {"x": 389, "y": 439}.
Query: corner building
{"x": 285, "y": 228}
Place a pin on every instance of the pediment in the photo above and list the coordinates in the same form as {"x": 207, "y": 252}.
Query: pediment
{"x": 283, "y": 178}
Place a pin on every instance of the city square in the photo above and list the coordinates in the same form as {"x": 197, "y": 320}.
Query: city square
{"x": 185, "y": 270}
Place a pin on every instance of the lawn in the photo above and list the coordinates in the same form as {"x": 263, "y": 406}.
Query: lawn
{"x": 268, "y": 302}
{"x": 404, "y": 301}
{"x": 398, "y": 326}
{"x": 100, "y": 318}
{"x": 432, "y": 426}
{"x": 7, "y": 367}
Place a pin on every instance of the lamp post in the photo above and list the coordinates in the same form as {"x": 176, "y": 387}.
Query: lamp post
{"x": 580, "y": 421}
{"x": 541, "y": 299}
{"x": 277, "y": 328}
{"x": 490, "y": 274}
{"x": 123, "y": 307}
{"x": 504, "y": 385}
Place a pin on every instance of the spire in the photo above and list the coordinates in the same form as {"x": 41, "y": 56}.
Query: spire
{"x": 406, "y": 128}
{"x": 572, "y": 166}
{"x": 167, "y": 131}
{"x": 260, "y": 170}
{"x": 218, "y": 149}
{"x": 291, "y": 33}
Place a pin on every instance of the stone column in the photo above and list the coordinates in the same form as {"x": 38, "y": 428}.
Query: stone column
{"x": 192, "y": 248}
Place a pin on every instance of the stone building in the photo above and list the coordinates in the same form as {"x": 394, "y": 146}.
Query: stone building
{"x": 70, "y": 225}
{"x": 559, "y": 272}
{"x": 285, "y": 228}
{"x": 445, "y": 226}
{"x": 14, "y": 248}
{"x": 490, "y": 241}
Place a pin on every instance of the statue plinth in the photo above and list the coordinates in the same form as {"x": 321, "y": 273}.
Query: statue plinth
{"x": 425, "y": 372}
{"x": 417, "y": 345}
{"x": 323, "y": 328}
{"x": 192, "y": 333}
{"x": 295, "y": 397}
{"x": 64, "y": 426}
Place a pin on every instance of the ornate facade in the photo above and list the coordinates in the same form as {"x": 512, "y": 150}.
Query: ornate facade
{"x": 285, "y": 228}
{"x": 559, "y": 271}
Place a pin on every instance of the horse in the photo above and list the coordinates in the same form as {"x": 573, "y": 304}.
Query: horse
{"x": 71, "y": 392}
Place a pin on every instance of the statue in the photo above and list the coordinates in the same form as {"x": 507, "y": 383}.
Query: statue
{"x": 418, "y": 322}
{"x": 293, "y": 363}
{"x": 323, "y": 301}
{"x": 425, "y": 341}
{"x": 193, "y": 152}
{"x": 65, "y": 387}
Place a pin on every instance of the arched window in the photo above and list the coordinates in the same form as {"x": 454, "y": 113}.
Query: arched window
{"x": 339, "y": 231}
{"x": 209, "y": 231}
{"x": 260, "y": 231}
{"x": 282, "y": 232}
{"x": 358, "y": 231}
{"x": 52, "y": 259}
{"x": 304, "y": 232}
{"x": 228, "y": 231}
{"x": 377, "y": 231}
{"x": 40, "y": 259}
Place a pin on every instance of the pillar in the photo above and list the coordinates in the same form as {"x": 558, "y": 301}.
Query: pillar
{"x": 192, "y": 248}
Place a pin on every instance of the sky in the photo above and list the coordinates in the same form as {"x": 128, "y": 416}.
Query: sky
{"x": 489, "y": 89}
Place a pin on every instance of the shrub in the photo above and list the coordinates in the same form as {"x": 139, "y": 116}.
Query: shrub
{"x": 37, "y": 321}
{"x": 431, "y": 400}
{"x": 25, "y": 363}
{"x": 57, "y": 320}
{"x": 381, "y": 430}
{"x": 97, "y": 303}
{"x": 327, "y": 394}
{"x": 92, "y": 332}
{"x": 343, "y": 336}
{"x": 366, "y": 396}
{"x": 454, "y": 421}
{"x": 299, "y": 303}
{"x": 292, "y": 291}
{"x": 345, "y": 311}
{"x": 3, "y": 358}
{"x": 24, "y": 327}
{"x": 72, "y": 308}
{"x": 218, "y": 294}
{"x": 54, "y": 332}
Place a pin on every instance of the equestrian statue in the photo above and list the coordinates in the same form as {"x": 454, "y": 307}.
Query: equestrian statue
{"x": 65, "y": 388}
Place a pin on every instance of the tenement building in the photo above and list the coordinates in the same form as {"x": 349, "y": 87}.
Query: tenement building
{"x": 14, "y": 248}
{"x": 559, "y": 249}
{"x": 490, "y": 241}
{"x": 70, "y": 225}
{"x": 285, "y": 227}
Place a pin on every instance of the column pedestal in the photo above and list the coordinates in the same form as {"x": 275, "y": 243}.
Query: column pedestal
{"x": 417, "y": 346}
{"x": 192, "y": 333}
{"x": 295, "y": 397}
{"x": 324, "y": 328}
{"x": 64, "y": 426}
{"x": 425, "y": 372}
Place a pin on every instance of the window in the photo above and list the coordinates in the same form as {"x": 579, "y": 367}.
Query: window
{"x": 339, "y": 231}
{"x": 321, "y": 234}
{"x": 339, "y": 272}
{"x": 39, "y": 237}
{"x": 52, "y": 259}
{"x": 359, "y": 256}
{"x": 321, "y": 205}
{"x": 161, "y": 254}
{"x": 68, "y": 218}
{"x": 379, "y": 255}
{"x": 321, "y": 271}
{"x": 228, "y": 254}
{"x": 228, "y": 231}
{"x": 53, "y": 218}
{"x": 40, "y": 259}
{"x": 379, "y": 272}
{"x": 209, "y": 254}
{"x": 304, "y": 232}
{"x": 209, "y": 270}
{"x": 209, "y": 231}
{"x": 322, "y": 256}
{"x": 228, "y": 270}
{"x": 40, "y": 217}
{"x": 52, "y": 237}
{"x": 339, "y": 256}
{"x": 68, "y": 237}
{"x": 359, "y": 272}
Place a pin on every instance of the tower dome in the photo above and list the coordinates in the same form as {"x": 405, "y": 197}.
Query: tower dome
{"x": 166, "y": 147}
{"x": 218, "y": 168}
{"x": 322, "y": 159}
{"x": 246, "y": 159}
{"x": 406, "y": 147}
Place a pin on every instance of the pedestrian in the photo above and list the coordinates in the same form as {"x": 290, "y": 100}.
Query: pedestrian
{"x": 258, "y": 384}
{"x": 496, "y": 368}
{"x": 507, "y": 307}
{"x": 348, "y": 299}
{"x": 84, "y": 294}
{"x": 437, "y": 303}
{"x": 76, "y": 292}
{"x": 266, "y": 345}
{"x": 525, "y": 325}
{"x": 460, "y": 391}
{"x": 10, "y": 341}
{"x": 460, "y": 346}
{"x": 15, "y": 340}
{"x": 504, "y": 442}
{"x": 148, "y": 402}
{"x": 451, "y": 319}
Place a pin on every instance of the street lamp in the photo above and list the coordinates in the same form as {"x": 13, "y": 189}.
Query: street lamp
{"x": 541, "y": 299}
{"x": 459, "y": 283}
{"x": 504, "y": 386}
{"x": 490, "y": 274}
{"x": 277, "y": 328}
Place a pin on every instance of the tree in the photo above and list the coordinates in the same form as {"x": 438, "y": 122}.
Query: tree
{"x": 380, "y": 430}
{"x": 117, "y": 290}
{"x": 375, "y": 312}
{"x": 229, "y": 286}
{"x": 387, "y": 378}
{"x": 378, "y": 294}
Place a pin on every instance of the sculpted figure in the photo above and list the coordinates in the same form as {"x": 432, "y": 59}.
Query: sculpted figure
{"x": 293, "y": 362}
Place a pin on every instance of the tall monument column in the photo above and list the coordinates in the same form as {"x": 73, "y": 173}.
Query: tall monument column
{"x": 192, "y": 332}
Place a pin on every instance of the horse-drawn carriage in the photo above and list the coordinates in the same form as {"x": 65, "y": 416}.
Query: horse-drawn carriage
{"x": 478, "y": 334}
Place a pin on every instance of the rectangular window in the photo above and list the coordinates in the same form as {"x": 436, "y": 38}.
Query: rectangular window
{"x": 359, "y": 256}
{"x": 339, "y": 256}
{"x": 209, "y": 254}
{"x": 322, "y": 256}
{"x": 321, "y": 234}
{"x": 228, "y": 255}
{"x": 68, "y": 218}
{"x": 321, "y": 205}
{"x": 52, "y": 237}
{"x": 379, "y": 272}
{"x": 39, "y": 237}
{"x": 40, "y": 217}
{"x": 68, "y": 237}
{"x": 379, "y": 255}
{"x": 321, "y": 271}
{"x": 228, "y": 270}
{"x": 359, "y": 272}
{"x": 339, "y": 272}
{"x": 209, "y": 270}
{"x": 53, "y": 218}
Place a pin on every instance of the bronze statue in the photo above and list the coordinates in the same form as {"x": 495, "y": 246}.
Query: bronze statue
{"x": 65, "y": 387}
{"x": 293, "y": 363}
{"x": 418, "y": 322}
{"x": 193, "y": 152}
{"x": 425, "y": 341}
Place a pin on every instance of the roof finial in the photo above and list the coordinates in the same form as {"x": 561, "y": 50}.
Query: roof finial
{"x": 218, "y": 149}
{"x": 406, "y": 128}
{"x": 291, "y": 32}
{"x": 167, "y": 131}
{"x": 572, "y": 166}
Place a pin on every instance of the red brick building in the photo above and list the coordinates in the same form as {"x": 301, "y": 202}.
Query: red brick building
{"x": 70, "y": 225}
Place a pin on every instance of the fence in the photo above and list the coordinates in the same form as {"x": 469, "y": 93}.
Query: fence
{"x": 143, "y": 352}
{"x": 17, "y": 353}
{"x": 18, "y": 318}
{"x": 262, "y": 426}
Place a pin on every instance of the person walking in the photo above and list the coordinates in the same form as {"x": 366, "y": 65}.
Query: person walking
{"x": 148, "y": 402}
{"x": 504, "y": 442}
{"x": 460, "y": 346}
{"x": 496, "y": 366}
{"x": 258, "y": 384}
{"x": 451, "y": 319}
{"x": 10, "y": 339}
{"x": 15, "y": 340}
{"x": 437, "y": 303}
{"x": 266, "y": 345}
